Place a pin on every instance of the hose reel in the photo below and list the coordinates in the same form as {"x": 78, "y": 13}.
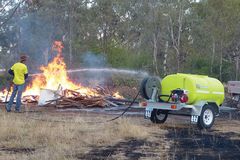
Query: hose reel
{"x": 150, "y": 87}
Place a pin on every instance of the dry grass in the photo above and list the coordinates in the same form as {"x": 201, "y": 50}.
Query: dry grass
{"x": 48, "y": 134}
{"x": 25, "y": 137}
{"x": 227, "y": 126}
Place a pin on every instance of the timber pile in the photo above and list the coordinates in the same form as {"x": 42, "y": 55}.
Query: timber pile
{"x": 70, "y": 98}
{"x": 30, "y": 99}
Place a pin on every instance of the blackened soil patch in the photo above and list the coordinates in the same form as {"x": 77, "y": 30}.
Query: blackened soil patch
{"x": 18, "y": 150}
{"x": 232, "y": 115}
{"x": 191, "y": 143}
{"x": 130, "y": 149}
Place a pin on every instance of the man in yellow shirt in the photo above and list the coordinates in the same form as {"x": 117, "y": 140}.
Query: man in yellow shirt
{"x": 20, "y": 73}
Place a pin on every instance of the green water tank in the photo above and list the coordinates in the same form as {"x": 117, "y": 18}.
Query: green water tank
{"x": 198, "y": 87}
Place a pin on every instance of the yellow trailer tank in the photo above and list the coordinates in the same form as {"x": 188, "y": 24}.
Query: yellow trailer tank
{"x": 198, "y": 87}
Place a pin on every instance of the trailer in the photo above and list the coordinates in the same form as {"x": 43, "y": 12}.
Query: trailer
{"x": 196, "y": 96}
{"x": 234, "y": 93}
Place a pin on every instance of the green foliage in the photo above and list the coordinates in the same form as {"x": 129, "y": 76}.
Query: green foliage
{"x": 202, "y": 65}
{"x": 228, "y": 70}
{"x": 199, "y": 65}
{"x": 123, "y": 58}
{"x": 120, "y": 57}
{"x": 124, "y": 81}
{"x": 203, "y": 36}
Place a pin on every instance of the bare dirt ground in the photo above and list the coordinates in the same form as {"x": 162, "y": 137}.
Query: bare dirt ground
{"x": 48, "y": 133}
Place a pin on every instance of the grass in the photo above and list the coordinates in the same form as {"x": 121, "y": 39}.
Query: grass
{"x": 46, "y": 134}
{"x": 24, "y": 137}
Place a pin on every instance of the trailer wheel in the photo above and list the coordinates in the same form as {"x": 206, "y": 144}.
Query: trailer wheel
{"x": 159, "y": 116}
{"x": 207, "y": 117}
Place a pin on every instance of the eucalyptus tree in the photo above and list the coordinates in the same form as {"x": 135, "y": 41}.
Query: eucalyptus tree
{"x": 9, "y": 31}
{"x": 218, "y": 34}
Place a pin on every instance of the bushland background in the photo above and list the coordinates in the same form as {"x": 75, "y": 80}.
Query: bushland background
{"x": 157, "y": 36}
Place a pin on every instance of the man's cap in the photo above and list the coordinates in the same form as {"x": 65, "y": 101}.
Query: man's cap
{"x": 23, "y": 58}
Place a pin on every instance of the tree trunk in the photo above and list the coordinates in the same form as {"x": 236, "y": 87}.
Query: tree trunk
{"x": 176, "y": 40}
{"x": 155, "y": 53}
{"x": 213, "y": 55}
{"x": 175, "y": 46}
{"x": 178, "y": 58}
{"x": 180, "y": 21}
{"x": 165, "y": 59}
{"x": 221, "y": 62}
{"x": 237, "y": 68}
{"x": 105, "y": 40}
{"x": 178, "y": 63}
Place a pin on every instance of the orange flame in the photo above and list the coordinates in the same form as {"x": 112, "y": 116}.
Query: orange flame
{"x": 55, "y": 74}
{"x": 57, "y": 46}
{"x": 3, "y": 95}
{"x": 117, "y": 95}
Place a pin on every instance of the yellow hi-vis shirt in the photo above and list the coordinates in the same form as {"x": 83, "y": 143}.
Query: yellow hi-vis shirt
{"x": 19, "y": 70}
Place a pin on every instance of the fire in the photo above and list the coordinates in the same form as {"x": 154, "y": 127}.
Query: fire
{"x": 3, "y": 95}
{"x": 117, "y": 95}
{"x": 57, "y": 46}
{"x": 55, "y": 75}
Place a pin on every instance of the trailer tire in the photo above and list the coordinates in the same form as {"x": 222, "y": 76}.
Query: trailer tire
{"x": 159, "y": 116}
{"x": 207, "y": 117}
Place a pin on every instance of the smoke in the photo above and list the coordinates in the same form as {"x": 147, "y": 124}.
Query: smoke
{"x": 88, "y": 78}
{"x": 91, "y": 60}
{"x": 35, "y": 33}
{"x": 34, "y": 39}
{"x": 94, "y": 71}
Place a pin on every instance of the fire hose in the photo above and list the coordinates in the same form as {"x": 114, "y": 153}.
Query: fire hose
{"x": 130, "y": 106}
{"x": 110, "y": 120}
{"x": 145, "y": 90}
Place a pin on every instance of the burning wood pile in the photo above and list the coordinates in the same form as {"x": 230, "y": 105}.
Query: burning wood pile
{"x": 45, "y": 88}
{"x": 69, "y": 98}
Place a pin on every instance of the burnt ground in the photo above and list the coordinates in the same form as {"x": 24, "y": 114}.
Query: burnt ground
{"x": 194, "y": 144}
{"x": 187, "y": 143}
{"x": 129, "y": 148}
{"x": 179, "y": 141}
{"x": 14, "y": 150}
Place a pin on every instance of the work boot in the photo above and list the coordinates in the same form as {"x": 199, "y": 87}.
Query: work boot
{"x": 18, "y": 111}
{"x": 7, "y": 108}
